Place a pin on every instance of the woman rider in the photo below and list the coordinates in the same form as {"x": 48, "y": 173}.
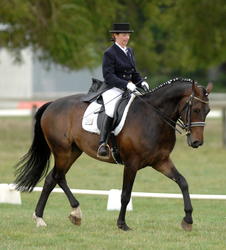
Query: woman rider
{"x": 120, "y": 74}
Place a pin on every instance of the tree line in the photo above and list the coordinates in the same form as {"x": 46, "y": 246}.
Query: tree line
{"x": 171, "y": 37}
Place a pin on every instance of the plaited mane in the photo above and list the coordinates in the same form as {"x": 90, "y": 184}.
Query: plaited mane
{"x": 172, "y": 81}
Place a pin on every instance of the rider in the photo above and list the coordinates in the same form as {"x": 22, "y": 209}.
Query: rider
{"x": 119, "y": 71}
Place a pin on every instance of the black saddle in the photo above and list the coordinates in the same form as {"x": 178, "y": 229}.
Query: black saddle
{"x": 96, "y": 89}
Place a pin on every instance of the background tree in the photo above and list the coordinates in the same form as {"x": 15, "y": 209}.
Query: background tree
{"x": 180, "y": 37}
{"x": 171, "y": 37}
{"x": 67, "y": 32}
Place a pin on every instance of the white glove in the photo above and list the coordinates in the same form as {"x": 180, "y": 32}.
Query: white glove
{"x": 145, "y": 85}
{"x": 131, "y": 86}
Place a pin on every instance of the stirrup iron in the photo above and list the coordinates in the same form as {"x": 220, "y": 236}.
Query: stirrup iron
{"x": 104, "y": 154}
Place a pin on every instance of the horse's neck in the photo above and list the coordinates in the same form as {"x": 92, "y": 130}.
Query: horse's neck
{"x": 167, "y": 99}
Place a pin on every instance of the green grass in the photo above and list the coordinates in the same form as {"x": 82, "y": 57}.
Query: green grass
{"x": 155, "y": 222}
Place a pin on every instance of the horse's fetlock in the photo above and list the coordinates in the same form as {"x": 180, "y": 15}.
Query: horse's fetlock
{"x": 122, "y": 225}
{"x": 76, "y": 212}
{"x": 188, "y": 219}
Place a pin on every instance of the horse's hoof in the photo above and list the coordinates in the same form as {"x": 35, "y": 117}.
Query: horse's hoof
{"x": 186, "y": 226}
{"x": 75, "y": 220}
{"x": 76, "y": 216}
{"x": 39, "y": 221}
{"x": 124, "y": 227}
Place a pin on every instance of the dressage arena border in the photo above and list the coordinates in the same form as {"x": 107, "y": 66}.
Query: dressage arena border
{"x": 8, "y": 194}
{"x": 139, "y": 194}
{"x": 134, "y": 194}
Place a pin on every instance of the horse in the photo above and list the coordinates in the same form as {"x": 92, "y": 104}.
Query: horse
{"x": 147, "y": 139}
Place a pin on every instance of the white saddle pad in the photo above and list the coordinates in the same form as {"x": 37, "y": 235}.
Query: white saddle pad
{"x": 89, "y": 121}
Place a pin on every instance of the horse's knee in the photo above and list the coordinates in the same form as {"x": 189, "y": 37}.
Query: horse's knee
{"x": 181, "y": 181}
{"x": 184, "y": 185}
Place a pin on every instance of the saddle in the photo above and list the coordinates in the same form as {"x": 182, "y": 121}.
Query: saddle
{"x": 95, "y": 113}
{"x": 96, "y": 89}
{"x": 119, "y": 110}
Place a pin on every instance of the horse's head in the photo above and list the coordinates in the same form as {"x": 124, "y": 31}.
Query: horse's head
{"x": 193, "y": 110}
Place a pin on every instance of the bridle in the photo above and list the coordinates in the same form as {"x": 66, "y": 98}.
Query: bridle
{"x": 187, "y": 125}
{"x": 188, "y": 108}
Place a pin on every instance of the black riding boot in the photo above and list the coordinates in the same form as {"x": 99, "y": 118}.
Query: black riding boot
{"x": 104, "y": 150}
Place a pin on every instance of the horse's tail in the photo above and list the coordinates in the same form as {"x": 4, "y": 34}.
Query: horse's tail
{"x": 34, "y": 165}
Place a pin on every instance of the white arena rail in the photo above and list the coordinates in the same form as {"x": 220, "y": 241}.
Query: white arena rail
{"x": 139, "y": 194}
{"x": 8, "y": 194}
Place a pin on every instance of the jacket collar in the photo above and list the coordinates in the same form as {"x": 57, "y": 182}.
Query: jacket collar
{"x": 123, "y": 49}
{"x": 121, "y": 52}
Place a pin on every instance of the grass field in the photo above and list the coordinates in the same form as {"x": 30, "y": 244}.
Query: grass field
{"x": 155, "y": 222}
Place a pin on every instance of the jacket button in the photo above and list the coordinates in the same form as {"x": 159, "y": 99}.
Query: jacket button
{"x": 124, "y": 76}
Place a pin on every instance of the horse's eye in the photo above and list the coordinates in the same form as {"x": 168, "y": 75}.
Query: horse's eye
{"x": 197, "y": 111}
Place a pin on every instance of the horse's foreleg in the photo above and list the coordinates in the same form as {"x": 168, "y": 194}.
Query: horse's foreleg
{"x": 182, "y": 183}
{"x": 168, "y": 169}
{"x": 49, "y": 185}
{"x": 128, "y": 180}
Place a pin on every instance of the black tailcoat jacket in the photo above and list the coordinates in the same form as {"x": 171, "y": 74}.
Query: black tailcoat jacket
{"x": 119, "y": 68}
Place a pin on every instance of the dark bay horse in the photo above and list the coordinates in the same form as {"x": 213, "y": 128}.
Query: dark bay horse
{"x": 147, "y": 139}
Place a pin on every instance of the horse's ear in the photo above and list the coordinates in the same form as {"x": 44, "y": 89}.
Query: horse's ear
{"x": 209, "y": 87}
{"x": 195, "y": 89}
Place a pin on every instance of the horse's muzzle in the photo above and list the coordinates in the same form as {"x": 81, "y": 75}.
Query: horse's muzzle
{"x": 193, "y": 143}
{"x": 196, "y": 144}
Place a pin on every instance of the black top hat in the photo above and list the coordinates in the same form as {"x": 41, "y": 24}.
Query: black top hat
{"x": 121, "y": 28}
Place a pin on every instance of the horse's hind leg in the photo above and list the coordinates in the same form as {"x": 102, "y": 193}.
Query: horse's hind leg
{"x": 49, "y": 185}
{"x": 57, "y": 176}
{"x": 76, "y": 214}
{"x": 63, "y": 163}
{"x": 168, "y": 169}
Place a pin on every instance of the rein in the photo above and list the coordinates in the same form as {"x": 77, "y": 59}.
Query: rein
{"x": 184, "y": 126}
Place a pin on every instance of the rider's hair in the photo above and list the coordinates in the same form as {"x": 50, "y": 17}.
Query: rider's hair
{"x": 113, "y": 36}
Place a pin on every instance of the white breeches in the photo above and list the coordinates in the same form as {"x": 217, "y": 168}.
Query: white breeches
{"x": 110, "y": 98}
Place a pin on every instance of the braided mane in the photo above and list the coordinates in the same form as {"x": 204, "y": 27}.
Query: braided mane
{"x": 172, "y": 81}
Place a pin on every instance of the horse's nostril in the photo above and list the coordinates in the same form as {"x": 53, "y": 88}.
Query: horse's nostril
{"x": 196, "y": 144}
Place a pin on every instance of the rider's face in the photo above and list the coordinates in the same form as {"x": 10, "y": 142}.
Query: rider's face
{"x": 122, "y": 39}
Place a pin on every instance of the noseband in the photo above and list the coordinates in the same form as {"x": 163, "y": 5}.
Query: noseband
{"x": 188, "y": 108}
